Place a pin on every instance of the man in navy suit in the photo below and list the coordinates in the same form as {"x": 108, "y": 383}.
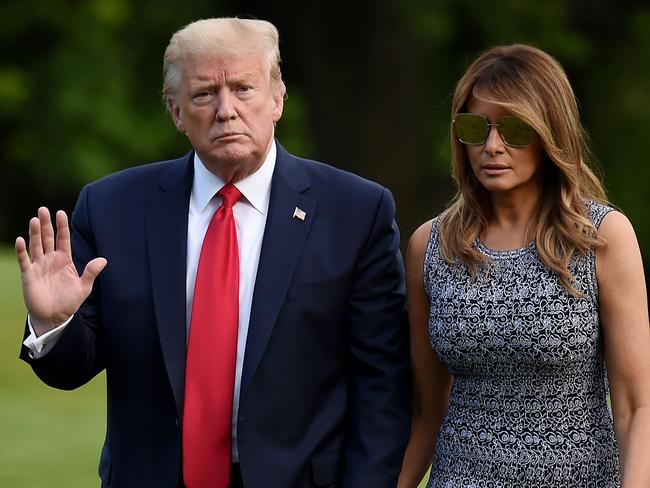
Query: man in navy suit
{"x": 318, "y": 394}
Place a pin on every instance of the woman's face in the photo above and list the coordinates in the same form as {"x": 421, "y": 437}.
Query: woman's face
{"x": 501, "y": 168}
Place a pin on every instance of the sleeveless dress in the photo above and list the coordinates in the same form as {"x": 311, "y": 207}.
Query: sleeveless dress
{"x": 528, "y": 404}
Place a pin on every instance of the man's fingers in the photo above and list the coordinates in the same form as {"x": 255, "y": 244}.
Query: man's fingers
{"x": 47, "y": 230}
{"x": 35, "y": 243}
{"x": 93, "y": 268}
{"x": 62, "y": 233}
{"x": 21, "y": 255}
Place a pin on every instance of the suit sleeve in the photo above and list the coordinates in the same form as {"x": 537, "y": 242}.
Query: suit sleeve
{"x": 77, "y": 355}
{"x": 379, "y": 421}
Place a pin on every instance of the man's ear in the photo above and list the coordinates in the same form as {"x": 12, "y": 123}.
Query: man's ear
{"x": 175, "y": 111}
{"x": 278, "y": 100}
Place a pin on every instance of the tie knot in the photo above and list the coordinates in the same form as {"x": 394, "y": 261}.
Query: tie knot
{"x": 230, "y": 194}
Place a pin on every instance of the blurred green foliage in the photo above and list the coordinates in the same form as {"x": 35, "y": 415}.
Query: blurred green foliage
{"x": 369, "y": 85}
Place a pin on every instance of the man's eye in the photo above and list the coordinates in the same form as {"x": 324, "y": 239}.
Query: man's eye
{"x": 202, "y": 98}
{"x": 245, "y": 88}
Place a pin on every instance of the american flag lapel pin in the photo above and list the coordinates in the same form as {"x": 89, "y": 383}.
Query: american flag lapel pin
{"x": 299, "y": 214}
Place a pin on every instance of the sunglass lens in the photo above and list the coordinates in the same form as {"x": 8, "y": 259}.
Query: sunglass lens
{"x": 471, "y": 128}
{"x": 515, "y": 131}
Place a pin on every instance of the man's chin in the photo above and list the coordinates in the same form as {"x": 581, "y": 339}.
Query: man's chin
{"x": 231, "y": 154}
{"x": 230, "y": 157}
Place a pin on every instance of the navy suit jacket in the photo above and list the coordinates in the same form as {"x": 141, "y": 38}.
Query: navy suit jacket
{"x": 325, "y": 387}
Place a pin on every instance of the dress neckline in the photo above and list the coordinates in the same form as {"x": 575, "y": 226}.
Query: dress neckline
{"x": 507, "y": 254}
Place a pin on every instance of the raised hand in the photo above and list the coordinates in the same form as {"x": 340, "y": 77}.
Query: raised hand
{"x": 52, "y": 288}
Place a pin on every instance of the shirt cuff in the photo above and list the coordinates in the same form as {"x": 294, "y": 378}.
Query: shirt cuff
{"x": 41, "y": 345}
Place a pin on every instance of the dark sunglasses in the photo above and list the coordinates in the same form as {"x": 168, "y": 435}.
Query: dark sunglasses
{"x": 473, "y": 129}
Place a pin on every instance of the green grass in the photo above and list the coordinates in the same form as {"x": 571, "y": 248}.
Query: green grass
{"x": 47, "y": 437}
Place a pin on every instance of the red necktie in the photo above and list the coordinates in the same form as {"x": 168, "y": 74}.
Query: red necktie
{"x": 211, "y": 353}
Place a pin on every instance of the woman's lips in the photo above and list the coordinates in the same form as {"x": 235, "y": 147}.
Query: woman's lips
{"x": 495, "y": 169}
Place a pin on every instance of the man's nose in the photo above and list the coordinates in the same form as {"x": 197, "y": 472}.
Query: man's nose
{"x": 494, "y": 143}
{"x": 226, "y": 109}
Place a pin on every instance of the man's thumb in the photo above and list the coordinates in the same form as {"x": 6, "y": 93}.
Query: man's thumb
{"x": 93, "y": 268}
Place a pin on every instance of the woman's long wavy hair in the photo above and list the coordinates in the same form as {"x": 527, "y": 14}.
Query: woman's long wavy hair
{"x": 533, "y": 86}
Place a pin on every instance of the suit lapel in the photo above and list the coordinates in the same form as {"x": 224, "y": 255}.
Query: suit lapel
{"x": 284, "y": 237}
{"x": 166, "y": 232}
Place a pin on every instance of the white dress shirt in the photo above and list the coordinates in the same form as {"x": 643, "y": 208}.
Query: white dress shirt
{"x": 250, "y": 220}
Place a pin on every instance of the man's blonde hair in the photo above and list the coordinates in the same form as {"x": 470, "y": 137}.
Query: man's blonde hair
{"x": 222, "y": 37}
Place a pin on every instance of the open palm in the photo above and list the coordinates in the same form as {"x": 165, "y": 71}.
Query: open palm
{"x": 52, "y": 288}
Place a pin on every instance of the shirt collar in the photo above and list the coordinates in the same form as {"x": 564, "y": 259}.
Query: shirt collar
{"x": 256, "y": 187}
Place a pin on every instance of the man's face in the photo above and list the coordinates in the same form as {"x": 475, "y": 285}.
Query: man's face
{"x": 226, "y": 108}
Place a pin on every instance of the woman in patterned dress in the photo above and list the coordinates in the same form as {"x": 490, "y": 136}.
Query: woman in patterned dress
{"x": 527, "y": 300}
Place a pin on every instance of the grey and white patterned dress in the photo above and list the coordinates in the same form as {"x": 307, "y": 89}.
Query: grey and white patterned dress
{"x": 528, "y": 405}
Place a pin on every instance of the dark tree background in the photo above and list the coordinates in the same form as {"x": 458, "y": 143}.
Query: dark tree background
{"x": 369, "y": 88}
